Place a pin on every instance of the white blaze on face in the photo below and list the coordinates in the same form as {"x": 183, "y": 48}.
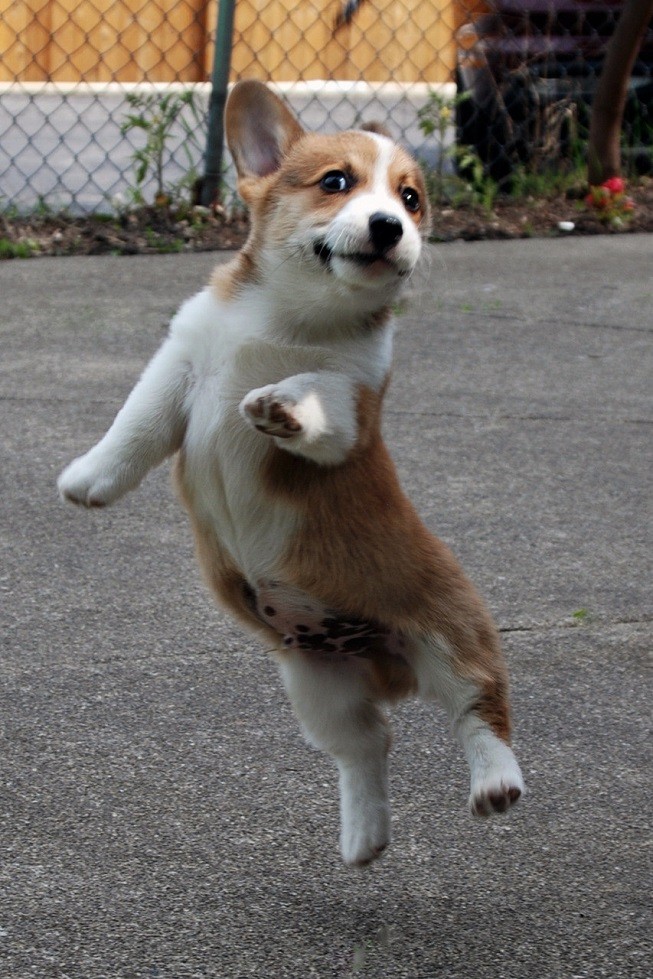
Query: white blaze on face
{"x": 348, "y": 234}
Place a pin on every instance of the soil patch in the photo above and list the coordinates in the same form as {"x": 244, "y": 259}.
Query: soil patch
{"x": 155, "y": 230}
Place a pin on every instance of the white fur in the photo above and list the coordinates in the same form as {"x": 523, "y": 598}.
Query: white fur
{"x": 493, "y": 766}
{"x": 304, "y": 297}
{"x": 148, "y": 428}
{"x": 321, "y": 405}
{"x": 331, "y": 703}
{"x": 495, "y": 773}
{"x": 349, "y": 231}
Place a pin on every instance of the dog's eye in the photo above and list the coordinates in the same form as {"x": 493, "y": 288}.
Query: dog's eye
{"x": 410, "y": 197}
{"x": 336, "y": 182}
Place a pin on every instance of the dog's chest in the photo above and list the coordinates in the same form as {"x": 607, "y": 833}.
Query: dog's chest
{"x": 223, "y": 477}
{"x": 223, "y": 457}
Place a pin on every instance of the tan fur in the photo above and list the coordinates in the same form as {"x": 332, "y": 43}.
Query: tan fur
{"x": 229, "y": 280}
{"x": 252, "y": 102}
{"x": 402, "y": 576}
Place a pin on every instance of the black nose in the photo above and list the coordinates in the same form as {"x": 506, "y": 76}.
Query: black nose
{"x": 385, "y": 230}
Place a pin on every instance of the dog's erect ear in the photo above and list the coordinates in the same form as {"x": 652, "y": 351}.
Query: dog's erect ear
{"x": 376, "y": 127}
{"x": 260, "y": 129}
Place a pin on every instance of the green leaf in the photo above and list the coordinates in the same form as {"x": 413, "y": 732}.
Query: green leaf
{"x": 581, "y": 615}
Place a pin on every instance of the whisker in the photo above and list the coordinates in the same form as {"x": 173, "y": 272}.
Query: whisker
{"x": 296, "y": 251}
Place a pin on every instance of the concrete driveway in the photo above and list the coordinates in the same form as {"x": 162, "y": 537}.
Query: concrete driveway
{"x": 160, "y": 815}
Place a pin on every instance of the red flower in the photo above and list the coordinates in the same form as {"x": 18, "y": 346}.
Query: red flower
{"x": 615, "y": 185}
{"x": 610, "y": 201}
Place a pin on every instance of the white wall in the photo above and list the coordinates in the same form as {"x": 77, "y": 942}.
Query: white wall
{"x": 63, "y": 142}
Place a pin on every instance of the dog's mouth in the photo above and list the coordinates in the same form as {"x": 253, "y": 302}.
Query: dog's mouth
{"x": 362, "y": 259}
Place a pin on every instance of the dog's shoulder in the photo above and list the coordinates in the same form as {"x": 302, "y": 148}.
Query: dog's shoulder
{"x": 210, "y": 331}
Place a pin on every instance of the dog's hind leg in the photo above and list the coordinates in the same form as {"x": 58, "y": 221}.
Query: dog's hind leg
{"x": 469, "y": 678}
{"x": 338, "y": 715}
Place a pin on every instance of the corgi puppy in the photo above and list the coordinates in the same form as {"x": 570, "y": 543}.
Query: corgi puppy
{"x": 269, "y": 389}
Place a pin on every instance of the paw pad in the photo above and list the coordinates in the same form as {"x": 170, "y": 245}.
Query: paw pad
{"x": 495, "y": 800}
{"x": 272, "y": 416}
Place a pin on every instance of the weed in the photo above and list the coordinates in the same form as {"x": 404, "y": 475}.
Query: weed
{"x": 436, "y": 117}
{"x": 162, "y": 245}
{"x": 155, "y": 115}
{"x": 581, "y": 616}
{"x": 381, "y": 940}
{"x": 399, "y": 307}
{"x": 459, "y": 176}
{"x": 8, "y": 210}
{"x": 527, "y": 182}
{"x": 637, "y": 138}
{"x": 43, "y": 210}
{"x": 17, "y": 249}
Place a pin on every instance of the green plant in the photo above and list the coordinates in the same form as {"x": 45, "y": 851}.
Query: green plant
{"x": 637, "y": 139}
{"x": 458, "y": 176}
{"x": 42, "y": 209}
{"x": 436, "y": 116}
{"x": 161, "y": 244}
{"x": 526, "y": 182}
{"x": 8, "y": 210}
{"x": 156, "y": 115}
{"x": 17, "y": 249}
{"x": 581, "y": 616}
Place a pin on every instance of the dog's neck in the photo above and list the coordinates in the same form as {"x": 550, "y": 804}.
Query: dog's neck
{"x": 300, "y": 306}
{"x": 305, "y": 319}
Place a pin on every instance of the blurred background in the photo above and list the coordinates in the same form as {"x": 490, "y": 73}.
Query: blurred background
{"x": 108, "y": 104}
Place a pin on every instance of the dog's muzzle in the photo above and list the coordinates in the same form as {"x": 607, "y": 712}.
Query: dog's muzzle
{"x": 385, "y": 230}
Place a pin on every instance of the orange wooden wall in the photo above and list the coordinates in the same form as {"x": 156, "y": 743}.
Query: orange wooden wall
{"x": 280, "y": 40}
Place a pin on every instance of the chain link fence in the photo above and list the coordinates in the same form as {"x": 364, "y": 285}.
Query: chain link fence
{"x": 105, "y": 103}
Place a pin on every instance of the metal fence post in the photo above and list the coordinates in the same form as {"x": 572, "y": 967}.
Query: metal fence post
{"x": 219, "y": 88}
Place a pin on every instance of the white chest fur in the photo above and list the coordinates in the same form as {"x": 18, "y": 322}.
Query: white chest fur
{"x": 230, "y": 349}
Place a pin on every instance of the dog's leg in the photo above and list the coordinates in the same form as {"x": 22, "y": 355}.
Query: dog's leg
{"x": 312, "y": 415}
{"x": 474, "y": 691}
{"x": 148, "y": 428}
{"x": 339, "y": 717}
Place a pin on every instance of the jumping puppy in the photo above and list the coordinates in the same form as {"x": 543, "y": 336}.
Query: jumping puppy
{"x": 269, "y": 389}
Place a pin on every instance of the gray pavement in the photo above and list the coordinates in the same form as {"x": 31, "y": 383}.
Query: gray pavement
{"x": 160, "y": 815}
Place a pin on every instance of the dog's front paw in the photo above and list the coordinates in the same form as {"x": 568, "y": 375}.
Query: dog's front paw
{"x": 89, "y": 483}
{"x": 272, "y": 412}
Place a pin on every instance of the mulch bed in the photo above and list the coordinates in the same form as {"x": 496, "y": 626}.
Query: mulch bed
{"x": 156, "y": 230}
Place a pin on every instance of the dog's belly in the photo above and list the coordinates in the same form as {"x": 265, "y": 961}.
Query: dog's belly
{"x": 304, "y": 623}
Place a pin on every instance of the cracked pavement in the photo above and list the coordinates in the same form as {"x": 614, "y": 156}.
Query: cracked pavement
{"x": 160, "y": 815}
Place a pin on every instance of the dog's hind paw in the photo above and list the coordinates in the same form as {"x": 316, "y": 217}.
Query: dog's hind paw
{"x": 362, "y": 842}
{"x": 496, "y": 791}
{"x": 494, "y": 799}
{"x": 268, "y": 411}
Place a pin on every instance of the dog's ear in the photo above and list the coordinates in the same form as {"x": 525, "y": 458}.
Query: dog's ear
{"x": 376, "y": 127}
{"x": 260, "y": 129}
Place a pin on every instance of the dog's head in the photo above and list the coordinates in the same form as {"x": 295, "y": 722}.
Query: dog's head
{"x": 350, "y": 209}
